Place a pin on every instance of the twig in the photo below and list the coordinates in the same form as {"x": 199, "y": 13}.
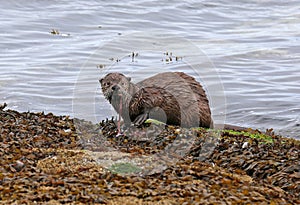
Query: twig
{"x": 3, "y": 106}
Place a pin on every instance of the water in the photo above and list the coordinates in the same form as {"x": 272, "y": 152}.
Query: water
{"x": 252, "y": 47}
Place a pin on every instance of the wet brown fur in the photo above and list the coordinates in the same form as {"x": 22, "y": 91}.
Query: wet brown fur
{"x": 173, "y": 97}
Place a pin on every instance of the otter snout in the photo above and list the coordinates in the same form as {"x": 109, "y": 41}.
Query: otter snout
{"x": 115, "y": 87}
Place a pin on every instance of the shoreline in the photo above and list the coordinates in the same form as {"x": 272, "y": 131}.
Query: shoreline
{"x": 55, "y": 159}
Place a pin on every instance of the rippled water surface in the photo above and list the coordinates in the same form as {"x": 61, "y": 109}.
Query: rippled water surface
{"x": 250, "y": 47}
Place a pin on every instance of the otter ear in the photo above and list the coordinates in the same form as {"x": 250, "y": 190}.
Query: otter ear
{"x": 101, "y": 80}
{"x": 128, "y": 78}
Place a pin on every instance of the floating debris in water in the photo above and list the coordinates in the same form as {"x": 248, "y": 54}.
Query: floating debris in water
{"x": 56, "y": 32}
{"x": 168, "y": 57}
{"x": 133, "y": 56}
{"x": 115, "y": 59}
{"x": 100, "y": 66}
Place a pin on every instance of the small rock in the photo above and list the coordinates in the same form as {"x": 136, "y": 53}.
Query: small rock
{"x": 18, "y": 166}
{"x": 245, "y": 145}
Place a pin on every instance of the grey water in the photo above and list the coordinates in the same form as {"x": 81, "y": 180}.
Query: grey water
{"x": 245, "y": 53}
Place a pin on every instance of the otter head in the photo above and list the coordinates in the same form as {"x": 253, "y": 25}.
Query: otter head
{"x": 114, "y": 84}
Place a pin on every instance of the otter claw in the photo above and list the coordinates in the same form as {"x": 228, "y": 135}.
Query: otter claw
{"x": 139, "y": 120}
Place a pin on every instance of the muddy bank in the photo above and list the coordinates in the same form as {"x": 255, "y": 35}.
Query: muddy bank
{"x": 54, "y": 159}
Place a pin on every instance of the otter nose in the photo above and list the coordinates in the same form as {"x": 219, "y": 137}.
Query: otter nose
{"x": 115, "y": 87}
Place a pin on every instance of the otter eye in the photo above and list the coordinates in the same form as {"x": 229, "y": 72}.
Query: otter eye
{"x": 105, "y": 84}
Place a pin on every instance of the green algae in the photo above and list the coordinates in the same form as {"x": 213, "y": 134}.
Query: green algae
{"x": 156, "y": 122}
{"x": 254, "y": 135}
{"x": 124, "y": 168}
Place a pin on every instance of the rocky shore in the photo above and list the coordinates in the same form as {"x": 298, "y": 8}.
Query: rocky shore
{"x": 48, "y": 159}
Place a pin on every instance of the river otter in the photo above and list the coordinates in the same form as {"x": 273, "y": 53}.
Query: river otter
{"x": 172, "y": 97}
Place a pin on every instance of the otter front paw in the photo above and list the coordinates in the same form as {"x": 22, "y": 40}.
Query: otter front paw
{"x": 140, "y": 119}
